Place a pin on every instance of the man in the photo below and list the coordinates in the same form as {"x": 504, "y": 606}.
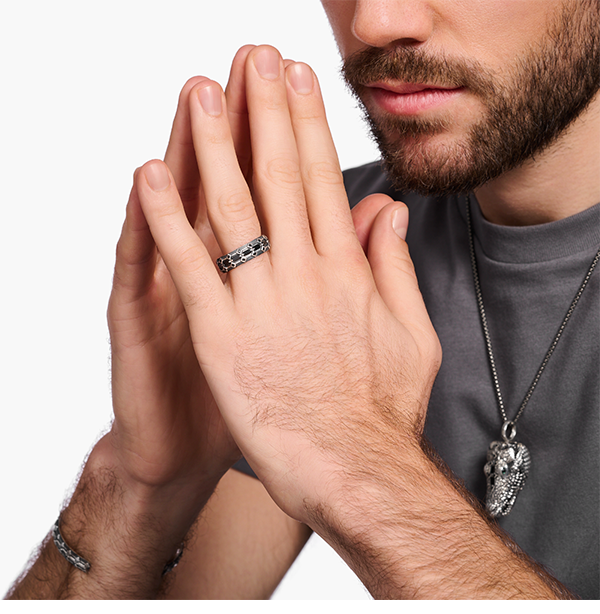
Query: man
{"x": 317, "y": 359}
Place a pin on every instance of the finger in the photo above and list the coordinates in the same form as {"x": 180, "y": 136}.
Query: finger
{"x": 364, "y": 214}
{"x": 136, "y": 251}
{"x": 231, "y": 210}
{"x": 393, "y": 269}
{"x": 277, "y": 182}
{"x": 189, "y": 263}
{"x": 180, "y": 157}
{"x": 326, "y": 200}
{"x": 237, "y": 109}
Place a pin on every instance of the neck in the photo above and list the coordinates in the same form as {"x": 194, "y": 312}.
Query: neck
{"x": 562, "y": 181}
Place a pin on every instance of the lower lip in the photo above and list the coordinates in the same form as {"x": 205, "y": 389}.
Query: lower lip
{"x": 412, "y": 104}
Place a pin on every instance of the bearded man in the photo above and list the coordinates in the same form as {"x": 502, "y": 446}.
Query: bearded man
{"x": 319, "y": 359}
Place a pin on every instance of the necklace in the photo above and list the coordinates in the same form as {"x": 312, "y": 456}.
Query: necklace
{"x": 508, "y": 462}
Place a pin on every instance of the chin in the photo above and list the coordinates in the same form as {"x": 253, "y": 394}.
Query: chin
{"x": 437, "y": 164}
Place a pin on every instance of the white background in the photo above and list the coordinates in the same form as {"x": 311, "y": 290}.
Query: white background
{"x": 88, "y": 94}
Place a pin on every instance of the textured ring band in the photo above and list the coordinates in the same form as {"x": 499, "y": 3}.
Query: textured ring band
{"x": 243, "y": 254}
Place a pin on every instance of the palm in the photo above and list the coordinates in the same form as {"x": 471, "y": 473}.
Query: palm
{"x": 165, "y": 416}
{"x": 166, "y": 419}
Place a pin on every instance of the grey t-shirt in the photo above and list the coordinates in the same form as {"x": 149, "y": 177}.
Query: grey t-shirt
{"x": 529, "y": 276}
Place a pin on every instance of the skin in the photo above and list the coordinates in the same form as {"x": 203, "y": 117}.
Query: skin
{"x": 268, "y": 378}
{"x": 168, "y": 446}
{"x": 493, "y": 34}
{"x": 221, "y": 372}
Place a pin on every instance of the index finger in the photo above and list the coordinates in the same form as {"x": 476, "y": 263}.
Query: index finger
{"x": 185, "y": 255}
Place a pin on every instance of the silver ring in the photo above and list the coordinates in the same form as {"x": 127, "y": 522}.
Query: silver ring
{"x": 243, "y": 254}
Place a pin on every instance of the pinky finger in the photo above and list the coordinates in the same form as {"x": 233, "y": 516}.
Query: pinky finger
{"x": 189, "y": 263}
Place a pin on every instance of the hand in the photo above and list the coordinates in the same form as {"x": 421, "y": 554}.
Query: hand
{"x": 167, "y": 426}
{"x": 320, "y": 360}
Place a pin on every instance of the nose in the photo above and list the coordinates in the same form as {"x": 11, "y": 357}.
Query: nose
{"x": 387, "y": 23}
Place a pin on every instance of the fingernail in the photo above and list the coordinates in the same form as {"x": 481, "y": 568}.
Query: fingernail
{"x": 157, "y": 176}
{"x": 400, "y": 222}
{"x": 301, "y": 78}
{"x": 267, "y": 63}
{"x": 210, "y": 99}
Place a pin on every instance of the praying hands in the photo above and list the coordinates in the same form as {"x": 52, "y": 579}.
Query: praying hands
{"x": 314, "y": 359}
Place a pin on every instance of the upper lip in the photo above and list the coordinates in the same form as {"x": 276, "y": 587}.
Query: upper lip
{"x": 408, "y": 88}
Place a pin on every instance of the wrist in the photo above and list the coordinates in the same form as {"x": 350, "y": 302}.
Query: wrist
{"x": 376, "y": 523}
{"x": 128, "y": 531}
{"x": 171, "y": 497}
{"x": 172, "y": 506}
{"x": 412, "y": 531}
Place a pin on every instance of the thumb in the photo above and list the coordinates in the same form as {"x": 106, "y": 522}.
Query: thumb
{"x": 364, "y": 214}
{"x": 393, "y": 269}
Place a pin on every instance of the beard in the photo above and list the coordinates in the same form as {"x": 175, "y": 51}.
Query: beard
{"x": 525, "y": 110}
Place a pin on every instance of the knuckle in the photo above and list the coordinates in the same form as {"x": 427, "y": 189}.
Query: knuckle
{"x": 432, "y": 349}
{"x": 121, "y": 252}
{"x": 324, "y": 171}
{"x": 310, "y": 116}
{"x": 431, "y": 357}
{"x": 189, "y": 261}
{"x": 404, "y": 265}
{"x": 188, "y": 194}
{"x": 127, "y": 255}
{"x": 274, "y": 104}
{"x": 166, "y": 211}
{"x": 235, "y": 205}
{"x": 437, "y": 354}
{"x": 196, "y": 295}
{"x": 217, "y": 137}
{"x": 407, "y": 268}
{"x": 282, "y": 170}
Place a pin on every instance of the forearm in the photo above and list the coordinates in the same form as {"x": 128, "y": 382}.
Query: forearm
{"x": 127, "y": 533}
{"x": 413, "y": 532}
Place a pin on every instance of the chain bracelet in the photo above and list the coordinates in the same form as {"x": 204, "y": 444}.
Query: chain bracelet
{"x": 84, "y": 565}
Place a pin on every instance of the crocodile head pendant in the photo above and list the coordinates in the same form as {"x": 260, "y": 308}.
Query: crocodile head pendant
{"x": 505, "y": 471}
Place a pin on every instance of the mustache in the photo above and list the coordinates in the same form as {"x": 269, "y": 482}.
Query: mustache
{"x": 414, "y": 65}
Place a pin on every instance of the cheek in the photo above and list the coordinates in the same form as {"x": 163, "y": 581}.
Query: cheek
{"x": 499, "y": 32}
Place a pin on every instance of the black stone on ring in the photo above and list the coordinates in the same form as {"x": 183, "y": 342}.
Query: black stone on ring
{"x": 243, "y": 254}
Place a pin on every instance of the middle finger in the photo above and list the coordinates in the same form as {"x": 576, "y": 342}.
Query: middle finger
{"x": 277, "y": 180}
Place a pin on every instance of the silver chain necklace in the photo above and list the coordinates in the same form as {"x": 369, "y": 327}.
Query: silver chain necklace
{"x": 508, "y": 462}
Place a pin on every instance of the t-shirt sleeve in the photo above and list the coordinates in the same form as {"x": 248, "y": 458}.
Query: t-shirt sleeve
{"x": 243, "y": 466}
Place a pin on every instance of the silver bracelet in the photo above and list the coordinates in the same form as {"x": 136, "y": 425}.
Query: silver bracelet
{"x": 71, "y": 556}
{"x": 83, "y": 565}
